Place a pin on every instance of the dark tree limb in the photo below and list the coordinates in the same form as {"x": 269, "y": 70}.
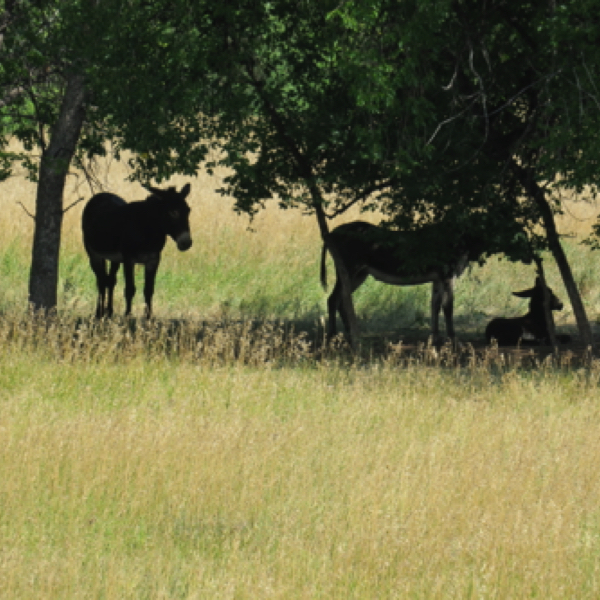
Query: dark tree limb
{"x": 72, "y": 205}
{"x": 305, "y": 171}
{"x": 26, "y": 211}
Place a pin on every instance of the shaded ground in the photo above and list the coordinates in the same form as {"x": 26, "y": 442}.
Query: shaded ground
{"x": 278, "y": 342}
{"x": 403, "y": 344}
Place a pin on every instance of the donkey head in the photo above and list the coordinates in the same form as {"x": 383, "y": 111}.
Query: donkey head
{"x": 536, "y": 293}
{"x": 177, "y": 213}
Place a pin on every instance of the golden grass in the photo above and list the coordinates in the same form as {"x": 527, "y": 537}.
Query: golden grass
{"x": 210, "y": 211}
{"x": 218, "y": 458}
{"x": 172, "y": 480}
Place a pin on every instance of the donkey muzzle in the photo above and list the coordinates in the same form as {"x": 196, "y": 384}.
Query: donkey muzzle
{"x": 184, "y": 241}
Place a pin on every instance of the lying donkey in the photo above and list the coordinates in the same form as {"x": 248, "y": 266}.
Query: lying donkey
{"x": 531, "y": 328}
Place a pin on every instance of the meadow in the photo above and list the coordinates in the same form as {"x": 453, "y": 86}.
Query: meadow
{"x": 210, "y": 454}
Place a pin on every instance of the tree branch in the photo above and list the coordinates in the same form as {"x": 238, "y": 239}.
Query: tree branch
{"x": 361, "y": 197}
{"x": 73, "y": 204}
{"x": 23, "y": 207}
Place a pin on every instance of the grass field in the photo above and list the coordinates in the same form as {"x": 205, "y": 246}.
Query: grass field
{"x": 214, "y": 457}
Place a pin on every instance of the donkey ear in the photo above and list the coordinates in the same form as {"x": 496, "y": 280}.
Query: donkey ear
{"x": 185, "y": 190}
{"x": 153, "y": 190}
{"x": 524, "y": 293}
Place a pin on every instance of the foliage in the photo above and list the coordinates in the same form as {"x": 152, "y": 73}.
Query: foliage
{"x": 265, "y": 84}
{"x": 515, "y": 84}
{"x": 32, "y": 72}
{"x": 413, "y": 109}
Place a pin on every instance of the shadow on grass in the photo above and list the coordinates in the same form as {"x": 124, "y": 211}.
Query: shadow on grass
{"x": 274, "y": 342}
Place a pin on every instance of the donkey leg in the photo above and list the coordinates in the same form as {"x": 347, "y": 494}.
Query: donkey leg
{"x": 99, "y": 268}
{"x": 111, "y": 282}
{"x": 333, "y": 306}
{"x": 129, "y": 285}
{"x": 335, "y": 303}
{"x": 149, "y": 279}
{"x": 339, "y": 305}
{"x": 442, "y": 297}
{"x": 448, "y": 307}
{"x": 437, "y": 294}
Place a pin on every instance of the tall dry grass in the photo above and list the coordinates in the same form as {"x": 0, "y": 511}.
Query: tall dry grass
{"x": 155, "y": 477}
{"x": 211, "y": 454}
{"x": 221, "y": 273}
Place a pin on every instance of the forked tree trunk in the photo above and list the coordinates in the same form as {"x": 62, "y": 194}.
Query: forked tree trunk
{"x": 54, "y": 166}
{"x": 539, "y": 197}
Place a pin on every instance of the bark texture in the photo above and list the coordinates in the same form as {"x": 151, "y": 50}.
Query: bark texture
{"x": 54, "y": 167}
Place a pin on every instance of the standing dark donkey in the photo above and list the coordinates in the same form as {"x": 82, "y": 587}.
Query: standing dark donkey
{"x": 530, "y": 329}
{"x": 391, "y": 256}
{"x": 133, "y": 233}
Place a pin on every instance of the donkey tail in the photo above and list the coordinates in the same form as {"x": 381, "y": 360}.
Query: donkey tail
{"x": 324, "y": 267}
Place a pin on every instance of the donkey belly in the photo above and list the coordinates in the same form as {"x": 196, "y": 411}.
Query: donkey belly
{"x": 145, "y": 258}
{"x": 399, "y": 279}
{"x": 138, "y": 258}
{"x": 111, "y": 256}
{"x": 103, "y": 251}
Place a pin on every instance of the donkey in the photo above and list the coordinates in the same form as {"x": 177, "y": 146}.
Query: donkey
{"x": 133, "y": 233}
{"x": 531, "y": 328}
{"x": 390, "y": 257}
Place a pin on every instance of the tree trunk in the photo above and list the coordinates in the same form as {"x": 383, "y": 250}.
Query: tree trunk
{"x": 306, "y": 172}
{"x": 539, "y": 196}
{"x": 547, "y": 309}
{"x": 583, "y": 324}
{"x": 54, "y": 166}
